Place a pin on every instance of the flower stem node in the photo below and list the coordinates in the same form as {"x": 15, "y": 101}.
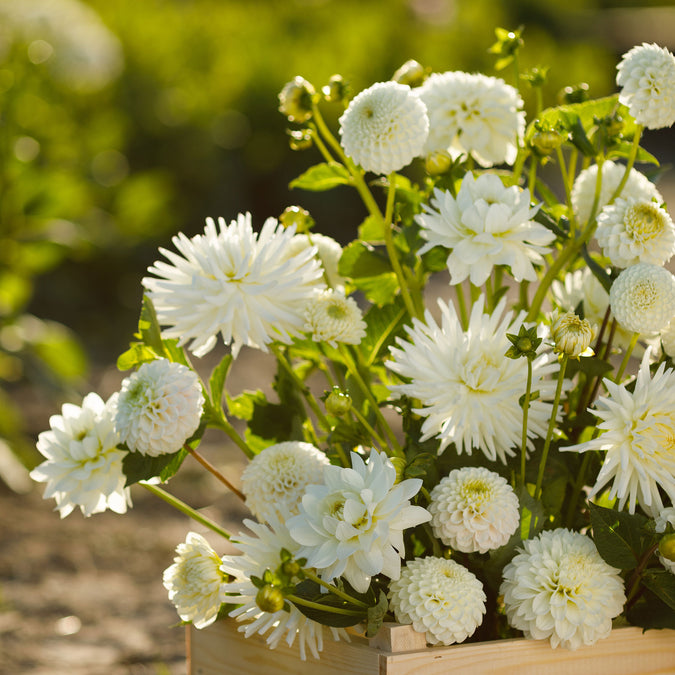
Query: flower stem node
{"x": 298, "y": 217}
{"x": 270, "y": 599}
{"x": 338, "y": 402}
{"x": 295, "y": 100}
{"x": 411, "y": 73}
{"x": 572, "y": 335}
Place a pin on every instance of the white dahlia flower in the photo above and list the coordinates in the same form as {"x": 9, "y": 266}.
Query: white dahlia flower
{"x": 440, "y": 598}
{"x": 261, "y": 551}
{"x": 158, "y": 408}
{"x": 248, "y": 286}
{"x": 638, "y": 187}
{"x": 668, "y": 339}
{"x": 385, "y": 127}
{"x": 473, "y": 113}
{"x": 195, "y": 582}
{"x": 333, "y": 318}
{"x": 352, "y": 525}
{"x": 632, "y": 231}
{"x": 473, "y": 509}
{"x": 275, "y": 479}
{"x": 488, "y": 224}
{"x": 468, "y": 389}
{"x": 83, "y": 465}
{"x": 665, "y": 518}
{"x": 646, "y": 75}
{"x": 642, "y": 298}
{"x": 329, "y": 253}
{"x": 638, "y": 439}
{"x": 559, "y": 588}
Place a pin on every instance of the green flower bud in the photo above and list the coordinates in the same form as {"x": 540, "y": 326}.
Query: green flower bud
{"x": 524, "y": 344}
{"x": 537, "y": 76}
{"x": 296, "y": 215}
{"x": 411, "y": 73}
{"x": 546, "y": 139}
{"x": 291, "y": 568}
{"x": 667, "y": 547}
{"x": 295, "y": 100}
{"x": 336, "y": 90}
{"x": 270, "y": 599}
{"x": 300, "y": 139}
{"x": 574, "y": 94}
{"x": 438, "y": 162}
{"x": 338, "y": 402}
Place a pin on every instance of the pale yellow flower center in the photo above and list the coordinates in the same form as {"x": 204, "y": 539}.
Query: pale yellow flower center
{"x": 337, "y": 310}
{"x": 644, "y": 221}
{"x": 645, "y": 294}
{"x": 475, "y": 493}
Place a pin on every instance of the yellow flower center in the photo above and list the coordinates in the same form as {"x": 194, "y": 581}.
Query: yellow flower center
{"x": 644, "y": 221}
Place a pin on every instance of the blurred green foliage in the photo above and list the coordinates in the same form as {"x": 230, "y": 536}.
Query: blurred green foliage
{"x": 108, "y": 145}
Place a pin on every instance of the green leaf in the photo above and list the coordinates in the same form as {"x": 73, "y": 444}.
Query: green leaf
{"x": 651, "y": 612}
{"x": 148, "y": 327}
{"x": 137, "y": 466}
{"x": 360, "y": 260}
{"x": 352, "y": 433}
{"x": 383, "y": 324}
{"x": 623, "y": 150}
{"x": 530, "y": 510}
{"x": 217, "y": 379}
{"x": 578, "y": 134}
{"x": 322, "y": 177}
{"x": 599, "y": 272}
{"x": 137, "y": 354}
{"x": 436, "y": 259}
{"x": 380, "y": 290}
{"x": 376, "y": 615}
{"x": 559, "y": 227}
{"x": 309, "y": 590}
{"x": 661, "y": 582}
{"x": 617, "y": 535}
{"x": 372, "y": 229}
{"x": 242, "y": 406}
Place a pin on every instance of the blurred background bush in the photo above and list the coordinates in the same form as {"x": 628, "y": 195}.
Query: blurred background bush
{"x": 124, "y": 121}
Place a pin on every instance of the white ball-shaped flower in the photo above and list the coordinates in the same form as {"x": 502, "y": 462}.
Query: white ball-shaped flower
{"x": 559, "y": 588}
{"x": 440, "y": 598}
{"x": 195, "y": 581}
{"x": 274, "y": 482}
{"x": 158, "y": 407}
{"x": 646, "y": 75}
{"x": 642, "y": 298}
{"x": 331, "y": 317}
{"x": 638, "y": 187}
{"x": 83, "y": 465}
{"x": 474, "y": 114}
{"x": 473, "y": 509}
{"x": 329, "y": 253}
{"x": 632, "y": 231}
{"x": 385, "y": 127}
{"x": 666, "y": 517}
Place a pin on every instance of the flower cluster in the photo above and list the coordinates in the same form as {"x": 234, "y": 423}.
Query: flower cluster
{"x": 506, "y": 448}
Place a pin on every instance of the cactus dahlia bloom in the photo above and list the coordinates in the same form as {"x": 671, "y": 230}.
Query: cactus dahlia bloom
{"x": 646, "y": 75}
{"x": 249, "y": 287}
{"x": 158, "y": 407}
{"x": 559, "y": 588}
{"x": 385, "y": 127}
{"x": 440, "y": 598}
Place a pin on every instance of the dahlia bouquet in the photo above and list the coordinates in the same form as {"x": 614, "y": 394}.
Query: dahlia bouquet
{"x": 496, "y": 461}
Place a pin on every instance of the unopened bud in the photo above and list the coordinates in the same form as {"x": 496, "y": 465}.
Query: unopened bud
{"x": 338, "y": 402}
{"x": 545, "y": 141}
{"x": 411, "y": 73}
{"x": 295, "y": 100}
{"x": 574, "y": 94}
{"x": 300, "y": 139}
{"x": 438, "y": 162}
{"x": 291, "y": 568}
{"x": 270, "y": 599}
{"x": 336, "y": 89}
{"x": 296, "y": 215}
{"x": 572, "y": 335}
{"x": 667, "y": 547}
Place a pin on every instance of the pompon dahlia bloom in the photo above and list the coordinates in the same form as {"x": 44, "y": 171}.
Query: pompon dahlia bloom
{"x": 195, "y": 582}
{"x": 559, "y": 588}
{"x": 248, "y": 286}
{"x": 638, "y": 439}
{"x": 665, "y": 518}
{"x": 632, "y": 231}
{"x": 261, "y": 551}
{"x": 274, "y": 481}
{"x": 385, "y": 127}
{"x": 83, "y": 465}
{"x": 440, "y": 598}
{"x": 646, "y": 75}
{"x": 473, "y": 509}
{"x": 638, "y": 187}
{"x": 642, "y": 298}
{"x": 158, "y": 407}
{"x": 333, "y": 318}
{"x": 473, "y": 113}
{"x": 468, "y": 389}
{"x": 329, "y": 252}
{"x": 488, "y": 224}
{"x": 352, "y": 525}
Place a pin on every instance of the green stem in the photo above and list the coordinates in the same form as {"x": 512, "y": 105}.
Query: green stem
{"x": 212, "y": 470}
{"x": 325, "y": 152}
{"x": 626, "y": 357}
{"x": 184, "y": 508}
{"x": 629, "y": 164}
{"x": 223, "y": 424}
{"x": 461, "y": 303}
{"x": 532, "y": 176}
{"x": 551, "y": 426}
{"x": 323, "y": 608}
{"x": 376, "y": 437}
{"x": 334, "y": 590}
{"x": 526, "y": 408}
{"x": 579, "y": 483}
{"x": 633, "y": 585}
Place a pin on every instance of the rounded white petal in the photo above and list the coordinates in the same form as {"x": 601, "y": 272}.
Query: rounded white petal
{"x": 385, "y": 127}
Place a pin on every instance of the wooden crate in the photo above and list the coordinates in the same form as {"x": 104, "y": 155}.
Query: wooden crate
{"x": 398, "y": 650}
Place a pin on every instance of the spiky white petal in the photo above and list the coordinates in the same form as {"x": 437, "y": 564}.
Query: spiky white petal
{"x": 468, "y": 389}
{"x": 385, "y": 127}
{"x": 559, "y": 588}
{"x": 83, "y": 465}
{"x": 638, "y": 439}
{"x": 352, "y": 525}
{"x": 474, "y": 114}
{"x": 473, "y": 509}
{"x": 249, "y": 287}
{"x": 158, "y": 407}
{"x": 275, "y": 479}
{"x": 487, "y": 224}
{"x": 440, "y": 598}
